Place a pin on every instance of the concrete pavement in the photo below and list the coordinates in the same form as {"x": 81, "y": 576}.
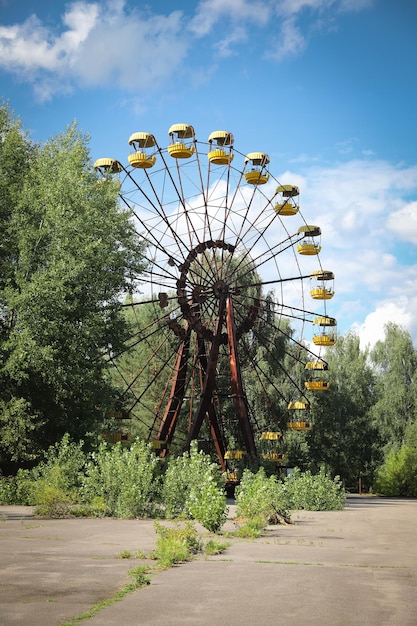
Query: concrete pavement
{"x": 352, "y": 567}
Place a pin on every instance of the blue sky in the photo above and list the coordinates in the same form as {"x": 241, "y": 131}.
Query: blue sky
{"x": 327, "y": 88}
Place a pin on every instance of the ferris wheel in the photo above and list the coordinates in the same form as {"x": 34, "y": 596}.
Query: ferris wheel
{"x": 226, "y": 342}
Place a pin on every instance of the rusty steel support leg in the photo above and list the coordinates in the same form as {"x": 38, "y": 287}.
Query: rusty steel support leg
{"x": 212, "y": 416}
{"x": 210, "y": 376}
{"x": 236, "y": 381}
{"x": 170, "y": 417}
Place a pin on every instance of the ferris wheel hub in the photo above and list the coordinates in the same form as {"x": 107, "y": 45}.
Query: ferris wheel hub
{"x": 220, "y": 287}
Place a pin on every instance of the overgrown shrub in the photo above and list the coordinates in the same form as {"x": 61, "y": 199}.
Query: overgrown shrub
{"x": 7, "y": 490}
{"x": 51, "y": 501}
{"x": 398, "y": 474}
{"x": 193, "y": 487}
{"x": 176, "y": 544}
{"x": 318, "y": 492}
{"x": 260, "y": 498}
{"x": 127, "y": 479}
{"x": 60, "y": 472}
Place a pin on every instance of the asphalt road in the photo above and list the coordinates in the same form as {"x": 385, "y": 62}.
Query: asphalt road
{"x": 352, "y": 567}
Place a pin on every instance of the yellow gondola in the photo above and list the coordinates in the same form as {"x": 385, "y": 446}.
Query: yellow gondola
{"x": 316, "y": 384}
{"x": 284, "y": 206}
{"x": 309, "y": 247}
{"x": 278, "y": 457}
{"x": 108, "y": 166}
{"x": 179, "y": 148}
{"x": 257, "y": 175}
{"x": 271, "y": 435}
{"x": 299, "y": 424}
{"x": 221, "y": 144}
{"x": 234, "y": 454}
{"x": 158, "y": 444}
{"x": 143, "y": 144}
{"x": 322, "y": 290}
{"x": 324, "y": 336}
{"x": 117, "y": 436}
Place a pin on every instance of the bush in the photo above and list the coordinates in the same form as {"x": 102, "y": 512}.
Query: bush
{"x": 176, "y": 544}
{"x": 398, "y": 474}
{"x": 8, "y": 490}
{"x": 319, "y": 492}
{"x": 193, "y": 487}
{"x": 51, "y": 501}
{"x": 60, "y": 471}
{"x": 260, "y": 498}
{"x": 125, "y": 478}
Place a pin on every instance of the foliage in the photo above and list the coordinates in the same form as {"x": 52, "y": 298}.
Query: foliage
{"x": 214, "y": 546}
{"x": 397, "y": 476}
{"x": 54, "y": 479}
{"x": 140, "y": 577}
{"x": 395, "y": 363}
{"x": 319, "y": 492}
{"x": 259, "y": 498}
{"x": 176, "y": 544}
{"x": 344, "y": 438}
{"x": 251, "y": 528}
{"x": 193, "y": 487}
{"x": 70, "y": 252}
{"x": 51, "y": 501}
{"x": 126, "y": 478}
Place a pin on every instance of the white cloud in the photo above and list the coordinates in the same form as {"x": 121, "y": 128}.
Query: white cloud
{"x": 372, "y": 329}
{"x": 108, "y": 44}
{"x": 98, "y": 45}
{"x": 404, "y": 222}
{"x": 292, "y": 7}
{"x": 30, "y": 46}
{"x": 210, "y": 12}
{"x": 291, "y": 42}
{"x": 361, "y": 208}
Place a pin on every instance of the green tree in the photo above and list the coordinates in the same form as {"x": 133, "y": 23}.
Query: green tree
{"x": 395, "y": 362}
{"x": 343, "y": 438}
{"x": 72, "y": 252}
{"x": 397, "y": 476}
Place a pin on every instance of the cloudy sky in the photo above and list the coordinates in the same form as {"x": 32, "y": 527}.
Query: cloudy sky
{"x": 327, "y": 88}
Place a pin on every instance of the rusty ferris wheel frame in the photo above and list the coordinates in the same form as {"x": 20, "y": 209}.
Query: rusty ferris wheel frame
{"x": 215, "y": 220}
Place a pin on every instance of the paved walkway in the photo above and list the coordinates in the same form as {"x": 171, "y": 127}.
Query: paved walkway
{"x": 352, "y": 567}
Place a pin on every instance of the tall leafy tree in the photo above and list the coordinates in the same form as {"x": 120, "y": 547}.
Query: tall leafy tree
{"x": 343, "y": 437}
{"x": 71, "y": 254}
{"x": 395, "y": 363}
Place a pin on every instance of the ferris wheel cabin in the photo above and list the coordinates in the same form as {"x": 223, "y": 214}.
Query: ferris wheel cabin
{"x": 310, "y": 246}
{"x": 108, "y": 166}
{"x": 180, "y": 148}
{"x": 316, "y": 382}
{"x": 221, "y": 144}
{"x": 257, "y": 175}
{"x": 299, "y": 423}
{"x": 322, "y": 287}
{"x": 144, "y": 146}
{"x": 326, "y": 333}
{"x": 284, "y": 205}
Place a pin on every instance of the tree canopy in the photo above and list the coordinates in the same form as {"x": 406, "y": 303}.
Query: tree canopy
{"x": 68, "y": 254}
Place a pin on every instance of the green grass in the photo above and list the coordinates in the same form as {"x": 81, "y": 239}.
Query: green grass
{"x": 125, "y": 554}
{"x": 140, "y": 579}
{"x": 214, "y": 546}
